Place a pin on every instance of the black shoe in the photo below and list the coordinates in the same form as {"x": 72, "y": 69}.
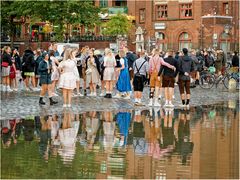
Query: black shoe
{"x": 197, "y": 82}
{"x": 41, "y": 102}
{"x": 110, "y": 96}
{"x": 52, "y": 102}
{"x": 85, "y": 92}
{"x": 106, "y": 96}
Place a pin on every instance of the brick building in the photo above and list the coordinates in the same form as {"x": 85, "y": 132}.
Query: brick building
{"x": 187, "y": 23}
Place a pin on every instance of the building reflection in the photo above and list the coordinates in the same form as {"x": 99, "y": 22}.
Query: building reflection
{"x": 156, "y": 143}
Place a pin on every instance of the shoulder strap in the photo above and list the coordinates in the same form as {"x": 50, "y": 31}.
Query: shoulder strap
{"x": 138, "y": 69}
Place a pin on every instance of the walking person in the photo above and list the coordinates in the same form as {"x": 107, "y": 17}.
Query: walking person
{"x": 155, "y": 64}
{"x": 123, "y": 84}
{"x": 55, "y": 72}
{"x": 185, "y": 67}
{"x": 92, "y": 73}
{"x": 109, "y": 72}
{"x": 168, "y": 78}
{"x": 13, "y": 76}
{"x": 141, "y": 68}
{"x": 67, "y": 79}
{"x": 235, "y": 59}
{"x": 5, "y": 65}
{"x": 45, "y": 71}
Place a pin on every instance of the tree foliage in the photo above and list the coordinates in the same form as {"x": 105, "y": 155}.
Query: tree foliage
{"x": 56, "y": 12}
{"x": 117, "y": 25}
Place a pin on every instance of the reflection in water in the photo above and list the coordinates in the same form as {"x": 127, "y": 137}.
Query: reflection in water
{"x": 154, "y": 143}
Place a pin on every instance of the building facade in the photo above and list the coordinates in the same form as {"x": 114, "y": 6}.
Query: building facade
{"x": 187, "y": 23}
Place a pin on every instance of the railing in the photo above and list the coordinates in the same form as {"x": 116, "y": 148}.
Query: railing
{"x": 92, "y": 38}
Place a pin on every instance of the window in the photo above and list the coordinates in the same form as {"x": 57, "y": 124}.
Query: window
{"x": 161, "y": 41}
{"x": 225, "y": 8}
{"x": 142, "y": 15}
{"x": 185, "y": 41}
{"x": 186, "y": 10}
{"x": 161, "y": 11}
{"x": 120, "y": 3}
{"x": 103, "y": 3}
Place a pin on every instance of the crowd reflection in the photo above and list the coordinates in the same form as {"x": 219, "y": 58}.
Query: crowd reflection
{"x": 155, "y": 133}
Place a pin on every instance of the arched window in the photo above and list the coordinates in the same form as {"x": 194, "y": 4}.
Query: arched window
{"x": 225, "y": 42}
{"x": 185, "y": 41}
{"x": 161, "y": 41}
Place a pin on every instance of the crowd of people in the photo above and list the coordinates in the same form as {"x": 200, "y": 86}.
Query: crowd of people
{"x": 125, "y": 71}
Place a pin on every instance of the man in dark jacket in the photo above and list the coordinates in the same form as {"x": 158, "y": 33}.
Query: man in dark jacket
{"x": 185, "y": 67}
{"x": 235, "y": 59}
{"x": 131, "y": 58}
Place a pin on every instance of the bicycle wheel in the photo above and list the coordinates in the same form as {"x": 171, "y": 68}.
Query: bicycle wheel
{"x": 226, "y": 81}
{"x": 206, "y": 81}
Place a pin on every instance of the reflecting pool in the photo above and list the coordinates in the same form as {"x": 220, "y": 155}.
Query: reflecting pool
{"x": 200, "y": 143}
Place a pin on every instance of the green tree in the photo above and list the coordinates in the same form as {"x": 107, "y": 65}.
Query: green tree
{"x": 117, "y": 25}
{"x": 57, "y": 12}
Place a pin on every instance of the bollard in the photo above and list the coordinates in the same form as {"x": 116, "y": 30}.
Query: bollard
{"x": 232, "y": 85}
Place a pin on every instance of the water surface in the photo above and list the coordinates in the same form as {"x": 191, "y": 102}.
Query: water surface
{"x": 202, "y": 142}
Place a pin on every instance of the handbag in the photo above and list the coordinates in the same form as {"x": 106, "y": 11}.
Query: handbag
{"x": 88, "y": 71}
{"x": 4, "y": 64}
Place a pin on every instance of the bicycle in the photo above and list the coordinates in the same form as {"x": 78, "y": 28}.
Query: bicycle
{"x": 234, "y": 75}
{"x": 208, "y": 78}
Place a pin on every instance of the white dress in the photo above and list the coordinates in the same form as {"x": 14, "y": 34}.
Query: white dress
{"x": 55, "y": 73}
{"x": 67, "y": 78}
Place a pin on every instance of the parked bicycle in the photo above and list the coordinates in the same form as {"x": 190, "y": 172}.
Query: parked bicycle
{"x": 208, "y": 78}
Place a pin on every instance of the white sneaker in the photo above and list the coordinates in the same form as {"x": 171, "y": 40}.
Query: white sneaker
{"x": 90, "y": 95}
{"x": 69, "y": 105}
{"x": 15, "y": 89}
{"x": 9, "y": 89}
{"x": 27, "y": 89}
{"x": 159, "y": 97}
{"x": 102, "y": 94}
{"x": 35, "y": 89}
{"x": 150, "y": 102}
{"x": 79, "y": 94}
{"x": 183, "y": 105}
{"x": 64, "y": 105}
{"x": 117, "y": 96}
{"x": 156, "y": 104}
{"x": 173, "y": 97}
{"x": 74, "y": 95}
{"x": 94, "y": 94}
{"x": 187, "y": 106}
{"x": 127, "y": 97}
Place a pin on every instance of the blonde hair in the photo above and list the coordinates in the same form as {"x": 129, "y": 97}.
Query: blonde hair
{"x": 122, "y": 53}
{"x": 107, "y": 51}
{"x": 67, "y": 54}
{"x": 156, "y": 52}
{"x": 72, "y": 51}
{"x": 5, "y": 48}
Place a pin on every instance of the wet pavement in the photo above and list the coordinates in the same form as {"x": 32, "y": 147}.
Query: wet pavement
{"x": 22, "y": 103}
{"x": 199, "y": 143}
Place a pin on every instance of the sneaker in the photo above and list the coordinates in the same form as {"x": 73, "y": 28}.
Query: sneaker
{"x": 117, "y": 96}
{"x": 9, "y": 89}
{"x": 175, "y": 84}
{"x": 159, "y": 97}
{"x": 27, "y": 89}
{"x": 90, "y": 95}
{"x": 69, "y": 105}
{"x": 79, "y": 94}
{"x": 15, "y": 89}
{"x": 94, "y": 94}
{"x": 173, "y": 97}
{"x": 55, "y": 94}
{"x": 187, "y": 106}
{"x": 65, "y": 105}
{"x": 3, "y": 88}
{"x": 102, "y": 94}
{"x": 150, "y": 102}
{"x": 182, "y": 105}
{"x": 35, "y": 89}
{"x": 127, "y": 97}
{"x": 156, "y": 104}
